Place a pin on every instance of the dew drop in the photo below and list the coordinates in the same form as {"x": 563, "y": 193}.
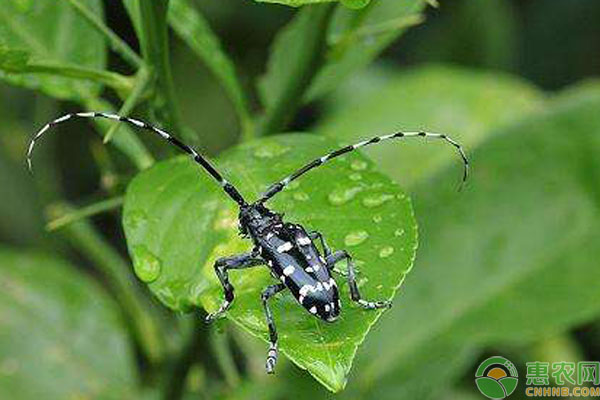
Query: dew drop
{"x": 399, "y": 232}
{"x": 355, "y": 238}
{"x": 301, "y": 196}
{"x": 358, "y": 165}
{"x": 355, "y": 176}
{"x": 145, "y": 264}
{"x": 136, "y": 219}
{"x": 386, "y": 251}
{"x": 377, "y": 218}
{"x": 270, "y": 150}
{"x": 376, "y": 200}
{"x": 293, "y": 185}
{"x": 341, "y": 196}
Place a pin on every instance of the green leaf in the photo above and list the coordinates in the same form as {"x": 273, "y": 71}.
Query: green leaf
{"x": 194, "y": 30}
{"x": 177, "y": 222}
{"x": 511, "y": 258}
{"x": 51, "y": 32}
{"x": 60, "y": 335}
{"x": 354, "y": 4}
{"x": 297, "y": 53}
{"x": 295, "y": 3}
{"x": 462, "y": 103}
{"x": 359, "y": 36}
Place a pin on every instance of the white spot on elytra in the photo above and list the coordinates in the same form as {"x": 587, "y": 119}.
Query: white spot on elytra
{"x": 313, "y": 310}
{"x": 327, "y": 307}
{"x": 284, "y": 247}
{"x": 309, "y": 270}
{"x": 303, "y": 241}
{"x": 304, "y": 290}
{"x": 287, "y": 271}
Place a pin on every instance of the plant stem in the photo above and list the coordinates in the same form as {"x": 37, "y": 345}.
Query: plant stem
{"x": 127, "y": 142}
{"x": 141, "y": 84}
{"x": 155, "y": 48}
{"x": 297, "y": 81}
{"x": 114, "y": 41}
{"x": 191, "y": 26}
{"x": 85, "y": 238}
{"x": 84, "y": 212}
{"x": 118, "y": 82}
{"x": 222, "y": 350}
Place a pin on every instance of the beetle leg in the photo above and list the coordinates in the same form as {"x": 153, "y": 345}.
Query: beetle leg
{"x": 318, "y": 235}
{"x": 269, "y": 292}
{"x": 351, "y": 275}
{"x": 222, "y": 265}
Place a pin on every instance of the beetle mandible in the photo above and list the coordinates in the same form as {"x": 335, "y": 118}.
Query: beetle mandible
{"x": 286, "y": 248}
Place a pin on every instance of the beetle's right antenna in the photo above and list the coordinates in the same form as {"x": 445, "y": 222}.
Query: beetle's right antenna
{"x": 278, "y": 186}
{"x": 227, "y": 187}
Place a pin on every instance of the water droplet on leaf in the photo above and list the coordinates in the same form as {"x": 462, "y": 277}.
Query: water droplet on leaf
{"x": 145, "y": 264}
{"x": 376, "y": 200}
{"x": 341, "y": 196}
{"x": 399, "y": 232}
{"x": 355, "y": 238}
{"x": 136, "y": 219}
{"x": 355, "y": 176}
{"x": 377, "y": 218}
{"x": 270, "y": 150}
{"x": 358, "y": 165}
{"x": 386, "y": 251}
{"x": 301, "y": 196}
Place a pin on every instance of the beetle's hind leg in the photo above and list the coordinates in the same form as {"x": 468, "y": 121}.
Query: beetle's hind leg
{"x": 222, "y": 265}
{"x": 351, "y": 276}
{"x": 269, "y": 292}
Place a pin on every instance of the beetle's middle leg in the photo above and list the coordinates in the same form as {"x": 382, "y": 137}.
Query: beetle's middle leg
{"x": 351, "y": 275}
{"x": 326, "y": 250}
{"x": 222, "y": 265}
{"x": 269, "y": 292}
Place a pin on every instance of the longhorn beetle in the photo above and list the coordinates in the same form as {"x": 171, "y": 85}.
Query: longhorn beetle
{"x": 286, "y": 248}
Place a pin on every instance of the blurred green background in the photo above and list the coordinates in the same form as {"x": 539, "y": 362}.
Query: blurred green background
{"x": 509, "y": 266}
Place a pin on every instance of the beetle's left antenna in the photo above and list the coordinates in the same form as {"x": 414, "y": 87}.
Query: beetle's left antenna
{"x": 227, "y": 187}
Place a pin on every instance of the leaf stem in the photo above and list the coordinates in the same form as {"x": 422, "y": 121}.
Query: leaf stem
{"x": 191, "y": 26}
{"x": 84, "y": 212}
{"x": 114, "y": 41}
{"x": 222, "y": 351}
{"x": 85, "y": 238}
{"x": 155, "y": 49}
{"x": 297, "y": 81}
{"x": 118, "y": 82}
{"x": 142, "y": 80}
{"x": 127, "y": 142}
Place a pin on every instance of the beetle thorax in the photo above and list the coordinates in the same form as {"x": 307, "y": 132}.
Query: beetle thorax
{"x": 255, "y": 219}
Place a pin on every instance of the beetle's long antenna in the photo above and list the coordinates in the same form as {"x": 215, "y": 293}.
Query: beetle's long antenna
{"x": 278, "y": 186}
{"x": 227, "y": 187}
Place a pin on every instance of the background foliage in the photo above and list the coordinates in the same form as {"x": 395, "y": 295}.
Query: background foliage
{"x": 508, "y": 266}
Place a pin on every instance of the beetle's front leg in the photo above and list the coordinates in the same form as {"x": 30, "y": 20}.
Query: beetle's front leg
{"x": 222, "y": 265}
{"x": 269, "y": 292}
{"x": 351, "y": 275}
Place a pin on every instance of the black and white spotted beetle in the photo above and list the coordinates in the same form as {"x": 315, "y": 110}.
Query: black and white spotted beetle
{"x": 287, "y": 249}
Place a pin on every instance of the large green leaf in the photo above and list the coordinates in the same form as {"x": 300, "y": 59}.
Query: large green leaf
{"x": 60, "y": 335}
{"x": 194, "y": 30}
{"x": 177, "y": 222}
{"x": 460, "y": 102}
{"x": 298, "y": 3}
{"x": 51, "y": 32}
{"x": 508, "y": 260}
{"x": 356, "y": 37}
{"x": 296, "y": 53}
